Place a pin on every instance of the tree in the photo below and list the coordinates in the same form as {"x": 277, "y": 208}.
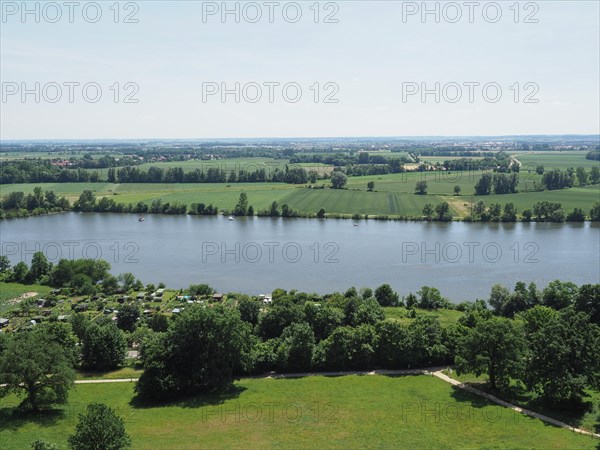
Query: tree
{"x": 563, "y": 355}
{"x": 484, "y": 185}
{"x": 249, "y": 310}
{"x": 277, "y": 318}
{"x": 588, "y": 301}
{"x": 582, "y": 176}
{"x": 421, "y": 187}
{"x": 38, "y": 444}
{"x": 595, "y": 175}
{"x": 430, "y": 298}
{"x": 127, "y": 317}
{"x": 509, "y": 214}
{"x": 103, "y": 347}
{"x": 498, "y": 297}
{"x": 394, "y": 345}
{"x": 559, "y": 294}
{"x": 323, "y": 319}
{"x": 428, "y": 211}
{"x": 126, "y": 280}
{"x": 371, "y": 185}
{"x": 4, "y": 263}
{"x": 577, "y": 215}
{"x": 20, "y": 271}
{"x": 457, "y": 190}
{"x": 595, "y": 212}
{"x": 37, "y": 366}
{"x": 338, "y": 179}
{"x": 494, "y": 346}
{"x": 442, "y": 212}
{"x": 241, "y": 209}
{"x": 386, "y": 296}
{"x": 539, "y": 170}
{"x": 321, "y": 213}
{"x": 100, "y": 428}
{"x": 273, "y": 211}
{"x": 296, "y": 348}
{"x": 201, "y": 289}
{"x": 39, "y": 266}
{"x": 200, "y": 352}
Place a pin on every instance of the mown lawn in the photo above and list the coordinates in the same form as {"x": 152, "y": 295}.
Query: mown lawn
{"x": 399, "y": 314}
{"x": 313, "y": 412}
{"x": 586, "y": 415}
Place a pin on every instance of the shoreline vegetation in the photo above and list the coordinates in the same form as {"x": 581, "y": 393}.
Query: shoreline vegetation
{"x": 18, "y": 205}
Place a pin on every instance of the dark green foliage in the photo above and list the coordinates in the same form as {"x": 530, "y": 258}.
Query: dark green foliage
{"x": 347, "y": 348}
{"x": 35, "y": 365}
{"x": 279, "y": 316}
{"x": 127, "y": 317}
{"x": 386, "y": 296}
{"x": 201, "y": 351}
{"x": 103, "y": 347}
{"x": 494, "y": 346}
{"x": 100, "y": 428}
{"x": 249, "y": 310}
{"x": 563, "y": 354}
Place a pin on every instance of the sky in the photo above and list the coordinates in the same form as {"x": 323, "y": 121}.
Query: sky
{"x": 152, "y": 69}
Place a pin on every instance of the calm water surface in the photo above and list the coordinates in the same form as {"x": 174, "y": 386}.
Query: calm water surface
{"x": 256, "y": 255}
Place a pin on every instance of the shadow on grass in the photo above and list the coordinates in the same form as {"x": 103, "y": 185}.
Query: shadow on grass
{"x": 195, "y": 401}
{"x": 572, "y": 413}
{"x": 12, "y": 418}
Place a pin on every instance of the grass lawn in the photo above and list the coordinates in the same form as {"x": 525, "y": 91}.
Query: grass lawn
{"x": 398, "y": 314}
{"x": 11, "y": 291}
{"x": 394, "y": 194}
{"x": 313, "y": 412}
{"x": 555, "y": 160}
{"x": 586, "y": 417}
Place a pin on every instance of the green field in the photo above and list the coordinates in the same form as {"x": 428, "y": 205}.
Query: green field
{"x": 555, "y": 160}
{"x": 588, "y": 418}
{"x": 393, "y": 195}
{"x": 398, "y": 314}
{"x": 312, "y": 412}
{"x": 10, "y": 291}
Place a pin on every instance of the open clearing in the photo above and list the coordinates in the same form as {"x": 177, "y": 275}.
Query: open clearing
{"x": 316, "y": 412}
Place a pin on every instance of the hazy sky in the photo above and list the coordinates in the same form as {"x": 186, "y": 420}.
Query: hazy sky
{"x": 375, "y": 53}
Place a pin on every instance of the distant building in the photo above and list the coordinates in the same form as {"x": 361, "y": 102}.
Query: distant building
{"x": 217, "y": 297}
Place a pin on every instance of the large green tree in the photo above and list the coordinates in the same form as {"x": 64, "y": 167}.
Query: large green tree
{"x": 563, "y": 351}
{"x": 35, "y": 365}
{"x": 202, "y": 351}
{"x": 103, "y": 346}
{"x": 494, "y": 346}
{"x": 100, "y": 428}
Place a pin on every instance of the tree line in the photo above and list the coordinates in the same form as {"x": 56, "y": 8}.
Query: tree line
{"x": 546, "y": 341}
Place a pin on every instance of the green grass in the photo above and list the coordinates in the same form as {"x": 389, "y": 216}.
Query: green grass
{"x": 394, "y": 194}
{"x": 398, "y": 314}
{"x": 555, "y": 160}
{"x": 10, "y": 291}
{"x": 313, "y": 412}
{"x": 125, "y": 372}
{"x": 587, "y": 417}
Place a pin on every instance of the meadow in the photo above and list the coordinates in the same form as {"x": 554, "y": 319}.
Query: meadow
{"x": 555, "y": 160}
{"x": 393, "y": 194}
{"x": 312, "y": 412}
{"x": 12, "y": 291}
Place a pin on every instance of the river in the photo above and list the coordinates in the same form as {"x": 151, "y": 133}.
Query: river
{"x": 257, "y": 255}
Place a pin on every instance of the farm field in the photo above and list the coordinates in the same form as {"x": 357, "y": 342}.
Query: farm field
{"x": 555, "y": 160}
{"x": 317, "y": 412}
